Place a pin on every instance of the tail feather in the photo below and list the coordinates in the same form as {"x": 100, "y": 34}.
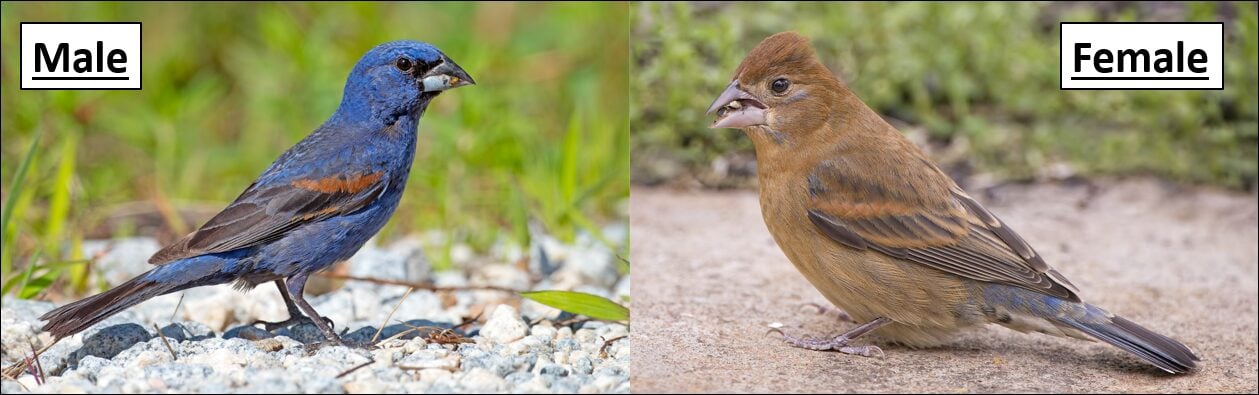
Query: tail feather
{"x": 73, "y": 318}
{"x": 1162, "y": 351}
{"x": 1024, "y": 310}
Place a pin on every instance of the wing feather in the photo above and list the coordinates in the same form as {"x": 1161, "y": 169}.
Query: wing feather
{"x": 265, "y": 213}
{"x": 948, "y": 231}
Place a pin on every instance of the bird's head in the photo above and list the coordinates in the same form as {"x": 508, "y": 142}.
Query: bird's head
{"x": 780, "y": 87}
{"x": 401, "y": 77}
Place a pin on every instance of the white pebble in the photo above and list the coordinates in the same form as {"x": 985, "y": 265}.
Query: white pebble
{"x": 504, "y": 326}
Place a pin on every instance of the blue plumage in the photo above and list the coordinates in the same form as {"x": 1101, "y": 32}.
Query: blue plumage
{"x": 1027, "y": 310}
{"x": 317, "y": 204}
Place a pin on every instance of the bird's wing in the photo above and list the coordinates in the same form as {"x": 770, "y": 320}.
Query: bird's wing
{"x": 929, "y": 221}
{"x": 267, "y": 211}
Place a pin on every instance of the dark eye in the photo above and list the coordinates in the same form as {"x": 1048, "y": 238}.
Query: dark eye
{"x": 780, "y": 85}
{"x": 404, "y": 64}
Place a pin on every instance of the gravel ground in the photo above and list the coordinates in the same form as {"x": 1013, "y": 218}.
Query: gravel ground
{"x": 515, "y": 347}
{"x": 1182, "y": 261}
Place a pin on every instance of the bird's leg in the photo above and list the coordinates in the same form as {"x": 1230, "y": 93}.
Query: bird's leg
{"x": 296, "y": 285}
{"x": 824, "y": 309}
{"x": 295, "y": 315}
{"x": 840, "y": 343}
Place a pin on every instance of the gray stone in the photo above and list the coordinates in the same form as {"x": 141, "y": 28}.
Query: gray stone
{"x": 519, "y": 377}
{"x": 248, "y": 332}
{"x": 564, "y": 386}
{"x": 305, "y": 332}
{"x": 477, "y": 359}
{"x": 611, "y": 371}
{"x": 110, "y": 341}
{"x": 524, "y": 362}
{"x": 174, "y": 332}
{"x": 582, "y": 366}
{"x": 567, "y": 344}
{"x": 529, "y": 345}
{"x": 553, "y": 370}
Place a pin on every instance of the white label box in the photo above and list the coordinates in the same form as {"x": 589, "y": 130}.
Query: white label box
{"x": 81, "y": 55}
{"x": 1142, "y": 56}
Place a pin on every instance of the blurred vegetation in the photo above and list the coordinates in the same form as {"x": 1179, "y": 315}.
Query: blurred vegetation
{"x": 543, "y": 137}
{"x": 979, "y": 80}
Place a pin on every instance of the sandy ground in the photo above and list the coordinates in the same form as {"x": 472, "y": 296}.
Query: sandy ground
{"x": 708, "y": 280}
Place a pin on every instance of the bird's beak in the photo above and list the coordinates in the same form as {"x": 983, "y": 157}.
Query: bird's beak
{"x": 446, "y": 75}
{"x": 736, "y": 108}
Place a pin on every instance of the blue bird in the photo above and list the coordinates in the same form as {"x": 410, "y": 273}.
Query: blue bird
{"x": 315, "y": 205}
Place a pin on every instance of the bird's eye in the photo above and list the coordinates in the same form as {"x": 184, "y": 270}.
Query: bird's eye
{"x": 404, "y": 64}
{"x": 780, "y": 85}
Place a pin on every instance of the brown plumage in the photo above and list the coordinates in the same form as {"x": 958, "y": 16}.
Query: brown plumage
{"x": 885, "y": 235}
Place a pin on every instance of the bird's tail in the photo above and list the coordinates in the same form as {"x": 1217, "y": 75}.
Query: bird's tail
{"x": 175, "y": 276}
{"x": 1162, "y": 351}
{"x": 1025, "y": 310}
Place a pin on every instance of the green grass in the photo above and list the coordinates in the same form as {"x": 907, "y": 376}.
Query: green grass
{"x": 592, "y": 306}
{"x": 983, "y": 76}
{"x": 543, "y": 136}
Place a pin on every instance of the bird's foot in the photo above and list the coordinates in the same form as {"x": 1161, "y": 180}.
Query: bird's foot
{"x": 311, "y": 348}
{"x": 340, "y": 342}
{"x": 824, "y": 310}
{"x": 839, "y": 343}
{"x": 294, "y": 319}
{"x": 363, "y": 345}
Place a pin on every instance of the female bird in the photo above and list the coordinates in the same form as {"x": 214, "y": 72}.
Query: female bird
{"x": 316, "y": 205}
{"x": 875, "y": 226}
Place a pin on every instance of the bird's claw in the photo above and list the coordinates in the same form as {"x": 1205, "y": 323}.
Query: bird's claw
{"x": 339, "y": 342}
{"x": 311, "y": 348}
{"x": 838, "y": 343}
{"x": 271, "y": 326}
{"x": 865, "y": 351}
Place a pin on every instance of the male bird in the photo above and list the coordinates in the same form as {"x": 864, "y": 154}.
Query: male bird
{"x": 316, "y": 205}
{"x": 875, "y": 226}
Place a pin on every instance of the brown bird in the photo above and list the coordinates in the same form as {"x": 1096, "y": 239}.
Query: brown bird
{"x": 886, "y": 236}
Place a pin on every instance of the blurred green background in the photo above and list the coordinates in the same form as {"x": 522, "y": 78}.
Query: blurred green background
{"x": 543, "y": 137}
{"x": 977, "y": 83}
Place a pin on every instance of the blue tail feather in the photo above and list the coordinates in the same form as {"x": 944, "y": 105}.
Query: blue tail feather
{"x": 175, "y": 276}
{"x": 1161, "y": 351}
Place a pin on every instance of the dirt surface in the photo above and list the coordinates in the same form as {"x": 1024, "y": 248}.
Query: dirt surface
{"x": 709, "y": 280}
